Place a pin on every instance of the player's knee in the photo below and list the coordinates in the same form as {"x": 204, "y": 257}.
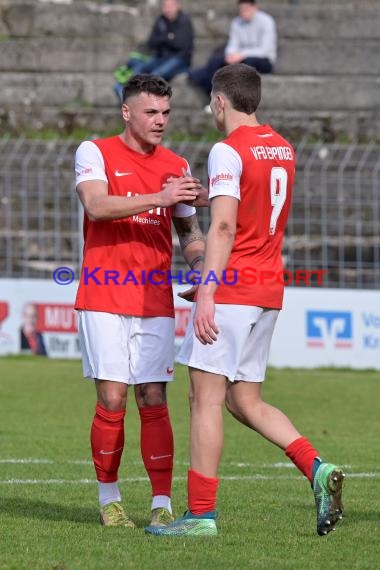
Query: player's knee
{"x": 230, "y": 407}
{"x": 150, "y": 394}
{"x": 206, "y": 401}
{"x": 112, "y": 401}
{"x": 112, "y": 395}
{"x": 235, "y": 410}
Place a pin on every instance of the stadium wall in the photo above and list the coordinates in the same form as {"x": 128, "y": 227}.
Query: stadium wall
{"x": 57, "y": 61}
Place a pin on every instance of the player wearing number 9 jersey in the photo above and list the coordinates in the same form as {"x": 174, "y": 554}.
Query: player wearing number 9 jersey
{"x": 226, "y": 346}
{"x": 254, "y": 165}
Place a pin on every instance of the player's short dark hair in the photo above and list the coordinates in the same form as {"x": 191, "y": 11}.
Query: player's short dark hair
{"x": 246, "y": 1}
{"x": 146, "y": 83}
{"x": 241, "y": 84}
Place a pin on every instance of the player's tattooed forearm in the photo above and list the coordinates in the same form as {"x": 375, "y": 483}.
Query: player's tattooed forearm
{"x": 196, "y": 236}
{"x": 188, "y": 230}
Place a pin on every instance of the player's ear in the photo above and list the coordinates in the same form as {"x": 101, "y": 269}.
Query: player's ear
{"x": 220, "y": 102}
{"x": 125, "y": 112}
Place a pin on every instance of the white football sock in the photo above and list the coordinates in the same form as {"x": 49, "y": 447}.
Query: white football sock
{"x": 108, "y": 493}
{"x": 162, "y": 501}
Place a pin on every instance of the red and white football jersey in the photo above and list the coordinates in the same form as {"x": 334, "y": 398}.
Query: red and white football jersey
{"x": 256, "y": 166}
{"x": 120, "y": 255}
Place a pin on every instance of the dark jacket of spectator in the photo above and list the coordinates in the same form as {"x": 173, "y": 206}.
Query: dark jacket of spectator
{"x": 172, "y": 37}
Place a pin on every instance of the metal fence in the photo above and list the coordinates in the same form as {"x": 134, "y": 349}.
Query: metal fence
{"x": 334, "y": 224}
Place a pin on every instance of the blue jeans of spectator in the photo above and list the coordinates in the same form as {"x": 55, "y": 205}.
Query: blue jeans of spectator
{"x": 118, "y": 89}
{"x": 203, "y": 75}
{"x": 166, "y": 67}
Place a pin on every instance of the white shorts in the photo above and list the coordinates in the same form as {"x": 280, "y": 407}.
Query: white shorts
{"x": 242, "y": 349}
{"x": 133, "y": 350}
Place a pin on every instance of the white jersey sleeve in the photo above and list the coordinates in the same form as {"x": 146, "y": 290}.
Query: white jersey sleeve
{"x": 89, "y": 163}
{"x": 224, "y": 171}
{"x": 182, "y": 210}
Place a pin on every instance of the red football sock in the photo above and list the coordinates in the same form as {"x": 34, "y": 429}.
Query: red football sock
{"x": 107, "y": 443}
{"x": 157, "y": 447}
{"x": 302, "y": 453}
{"x": 201, "y": 492}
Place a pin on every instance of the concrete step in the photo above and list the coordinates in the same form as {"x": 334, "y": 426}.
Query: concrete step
{"x": 52, "y": 54}
{"x": 324, "y": 93}
{"x": 325, "y": 82}
{"x": 347, "y": 20}
{"x": 294, "y": 125}
{"x": 28, "y": 19}
{"x": 305, "y": 92}
{"x": 350, "y": 20}
{"x": 314, "y": 56}
{"x": 295, "y": 56}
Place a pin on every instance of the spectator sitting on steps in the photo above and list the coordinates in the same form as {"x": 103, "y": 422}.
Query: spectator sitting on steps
{"x": 252, "y": 40}
{"x": 170, "y": 45}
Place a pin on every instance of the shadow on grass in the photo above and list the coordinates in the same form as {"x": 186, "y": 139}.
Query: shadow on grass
{"x": 351, "y": 515}
{"x": 36, "y": 509}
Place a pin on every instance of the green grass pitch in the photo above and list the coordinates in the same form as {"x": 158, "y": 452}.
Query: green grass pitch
{"x": 48, "y": 492}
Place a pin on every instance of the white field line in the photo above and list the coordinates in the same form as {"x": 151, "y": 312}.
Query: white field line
{"x": 278, "y": 465}
{"x": 374, "y": 475}
{"x": 85, "y": 481}
{"x": 28, "y": 461}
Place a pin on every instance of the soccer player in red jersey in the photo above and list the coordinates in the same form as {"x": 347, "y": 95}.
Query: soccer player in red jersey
{"x": 226, "y": 347}
{"x": 132, "y": 189}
